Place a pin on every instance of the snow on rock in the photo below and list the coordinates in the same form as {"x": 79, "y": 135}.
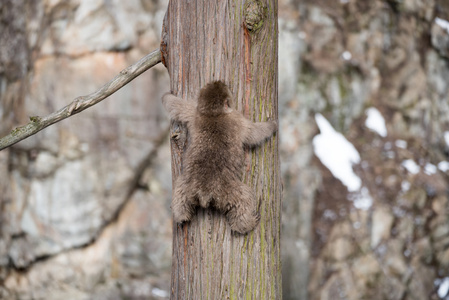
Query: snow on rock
{"x": 346, "y": 55}
{"x": 401, "y": 144}
{"x": 446, "y": 137}
{"x": 363, "y": 200}
{"x": 410, "y": 166}
{"x": 443, "y": 166}
{"x": 443, "y": 288}
{"x": 160, "y": 293}
{"x": 430, "y": 169}
{"x": 443, "y": 24}
{"x": 337, "y": 154}
{"x": 376, "y": 122}
{"x": 405, "y": 186}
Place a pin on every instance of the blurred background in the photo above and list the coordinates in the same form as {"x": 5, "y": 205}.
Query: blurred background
{"x": 364, "y": 128}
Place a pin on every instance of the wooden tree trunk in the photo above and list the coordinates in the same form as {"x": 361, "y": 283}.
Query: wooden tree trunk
{"x": 235, "y": 41}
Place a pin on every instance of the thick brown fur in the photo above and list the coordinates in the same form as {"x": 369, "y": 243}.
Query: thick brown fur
{"x": 214, "y": 159}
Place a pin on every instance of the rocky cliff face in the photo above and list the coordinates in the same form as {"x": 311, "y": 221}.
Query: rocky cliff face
{"x": 85, "y": 210}
{"x": 365, "y": 143}
{"x": 378, "y": 72}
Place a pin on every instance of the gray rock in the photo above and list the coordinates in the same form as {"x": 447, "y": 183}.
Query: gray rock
{"x": 381, "y": 225}
{"x": 440, "y": 38}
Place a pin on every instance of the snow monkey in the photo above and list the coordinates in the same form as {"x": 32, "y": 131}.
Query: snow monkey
{"x": 214, "y": 158}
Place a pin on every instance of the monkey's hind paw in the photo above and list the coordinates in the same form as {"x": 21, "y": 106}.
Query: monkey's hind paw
{"x": 182, "y": 216}
{"x": 244, "y": 223}
{"x": 182, "y": 211}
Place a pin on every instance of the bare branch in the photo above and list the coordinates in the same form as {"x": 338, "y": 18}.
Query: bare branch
{"x": 36, "y": 123}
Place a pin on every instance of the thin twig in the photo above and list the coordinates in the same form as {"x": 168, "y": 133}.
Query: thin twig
{"x": 36, "y": 123}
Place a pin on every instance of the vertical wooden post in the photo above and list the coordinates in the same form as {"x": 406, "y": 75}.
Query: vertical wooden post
{"x": 235, "y": 41}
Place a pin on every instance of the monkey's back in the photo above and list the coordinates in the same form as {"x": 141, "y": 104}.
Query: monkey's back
{"x": 215, "y": 156}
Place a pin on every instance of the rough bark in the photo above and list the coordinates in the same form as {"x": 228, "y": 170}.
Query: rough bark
{"x": 235, "y": 41}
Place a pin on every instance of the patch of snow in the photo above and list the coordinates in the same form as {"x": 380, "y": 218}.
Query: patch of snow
{"x": 337, "y": 154}
{"x": 329, "y": 214}
{"x": 443, "y": 166}
{"x": 346, "y": 55}
{"x": 443, "y": 288}
{"x": 376, "y": 122}
{"x": 405, "y": 186}
{"x": 401, "y": 144}
{"x": 430, "y": 169}
{"x": 410, "y": 166}
{"x": 159, "y": 293}
{"x": 443, "y": 24}
{"x": 446, "y": 137}
{"x": 363, "y": 200}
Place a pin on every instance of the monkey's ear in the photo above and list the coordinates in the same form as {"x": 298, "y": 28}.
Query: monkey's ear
{"x": 228, "y": 110}
{"x": 228, "y": 106}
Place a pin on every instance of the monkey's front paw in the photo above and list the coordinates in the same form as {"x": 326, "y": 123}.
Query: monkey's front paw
{"x": 164, "y": 97}
{"x": 274, "y": 125}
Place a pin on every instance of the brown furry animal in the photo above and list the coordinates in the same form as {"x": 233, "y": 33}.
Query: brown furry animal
{"x": 213, "y": 166}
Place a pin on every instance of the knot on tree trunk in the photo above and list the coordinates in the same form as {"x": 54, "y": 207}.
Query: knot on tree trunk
{"x": 254, "y": 15}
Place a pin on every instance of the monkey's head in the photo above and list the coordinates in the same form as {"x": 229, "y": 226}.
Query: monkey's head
{"x": 214, "y": 99}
